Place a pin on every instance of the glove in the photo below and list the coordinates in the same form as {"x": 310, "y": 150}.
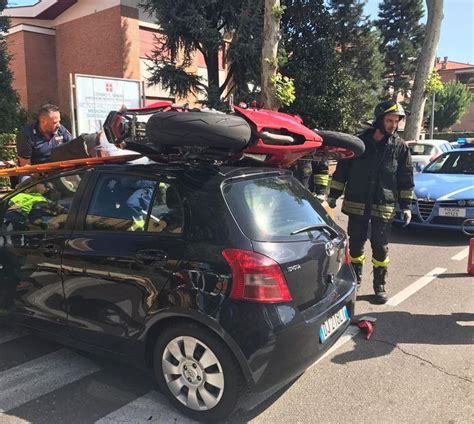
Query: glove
{"x": 331, "y": 202}
{"x": 406, "y": 217}
{"x": 320, "y": 197}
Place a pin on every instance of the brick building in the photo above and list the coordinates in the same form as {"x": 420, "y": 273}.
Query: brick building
{"x": 51, "y": 39}
{"x": 464, "y": 73}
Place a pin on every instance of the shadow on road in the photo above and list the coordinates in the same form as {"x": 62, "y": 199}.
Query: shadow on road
{"x": 394, "y": 328}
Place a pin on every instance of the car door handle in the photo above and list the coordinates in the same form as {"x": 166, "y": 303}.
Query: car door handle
{"x": 49, "y": 249}
{"x": 149, "y": 256}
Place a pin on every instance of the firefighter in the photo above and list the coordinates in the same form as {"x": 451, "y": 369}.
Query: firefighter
{"x": 314, "y": 175}
{"x": 372, "y": 184}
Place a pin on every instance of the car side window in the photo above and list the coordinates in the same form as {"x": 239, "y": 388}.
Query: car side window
{"x": 43, "y": 206}
{"x": 166, "y": 215}
{"x": 120, "y": 203}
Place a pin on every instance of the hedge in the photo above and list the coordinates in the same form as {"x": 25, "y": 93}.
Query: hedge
{"x": 7, "y": 152}
{"x": 453, "y": 136}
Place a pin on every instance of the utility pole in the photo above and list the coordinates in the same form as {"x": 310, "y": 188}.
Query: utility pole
{"x": 432, "y": 116}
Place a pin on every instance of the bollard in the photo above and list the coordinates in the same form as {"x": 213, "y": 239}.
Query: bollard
{"x": 470, "y": 256}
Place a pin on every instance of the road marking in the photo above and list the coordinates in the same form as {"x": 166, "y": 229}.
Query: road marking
{"x": 7, "y": 335}
{"x": 35, "y": 378}
{"x": 413, "y": 288}
{"x": 461, "y": 255}
{"x": 150, "y": 408}
{"x": 349, "y": 334}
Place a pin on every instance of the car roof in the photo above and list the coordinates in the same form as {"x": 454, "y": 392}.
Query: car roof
{"x": 199, "y": 173}
{"x": 433, "y": 142}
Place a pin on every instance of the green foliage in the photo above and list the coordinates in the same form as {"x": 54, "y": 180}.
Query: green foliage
{"x": 202, "y": 26}
{"x": 324, "y": 89}
{"x": 278, "y": 11}
{"x": 451, "y": 103}
{"x": 9, "y": 101}
{"x": 358, "y": 46}
{"x": 402, "y": 39}
{"x": 433, "y": 84}
{"x": 284, "y": 89}
{"x": 7, "y": 152}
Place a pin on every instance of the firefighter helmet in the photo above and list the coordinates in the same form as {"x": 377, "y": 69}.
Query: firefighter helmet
{"x": 389, "y": 106}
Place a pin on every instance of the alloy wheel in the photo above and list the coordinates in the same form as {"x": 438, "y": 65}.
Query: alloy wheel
{"x": 193, "y": 373}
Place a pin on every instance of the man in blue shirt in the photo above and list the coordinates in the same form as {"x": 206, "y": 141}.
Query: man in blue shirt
{"x": 35, "y": 142}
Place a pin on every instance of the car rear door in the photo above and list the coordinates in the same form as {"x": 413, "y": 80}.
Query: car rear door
{"x": 37, "y": 222}
{"x": 126, "y": 243}
{"x": 289, "y": 225}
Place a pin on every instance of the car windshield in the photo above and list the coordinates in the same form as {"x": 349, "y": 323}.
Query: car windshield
{"x": 272, "y": 208}
{"x": 455, "y": 162}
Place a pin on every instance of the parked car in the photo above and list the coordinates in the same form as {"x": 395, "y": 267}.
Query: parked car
{"x": 223, "y": 280}
{"x": 444, "y": 191}
{"x": 424, "y": 151}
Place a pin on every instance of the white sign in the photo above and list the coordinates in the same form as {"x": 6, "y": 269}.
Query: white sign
{"x": 97, "y": 96}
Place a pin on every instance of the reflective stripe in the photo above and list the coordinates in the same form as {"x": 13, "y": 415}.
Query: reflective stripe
{"x": 138, "y": 224}
{"x": 352, "y": 211}
{"x": 391, "y": 108}
{"x": 321, "y": 179}
{"x": 385, "y": 215}
{"x": 358, "y": 260}
{"x": 406, "y": 194}
{"x": 337, "y": 185}
{"x": 383, "y": 208}
{"x": 355, "y": 205}
{"x": 378, "y": 264}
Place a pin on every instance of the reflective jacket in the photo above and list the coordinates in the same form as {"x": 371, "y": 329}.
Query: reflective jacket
{"x": 313, "y": 175}
{"x": 373, "y": 182}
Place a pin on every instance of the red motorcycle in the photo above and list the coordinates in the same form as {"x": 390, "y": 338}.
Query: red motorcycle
{"x": 170, "y": 132}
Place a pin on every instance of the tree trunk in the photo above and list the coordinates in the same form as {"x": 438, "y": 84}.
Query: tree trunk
{"x": 271, "y": 36}
{"x": 212, "y": 65}
{"x": 425, "y": 66}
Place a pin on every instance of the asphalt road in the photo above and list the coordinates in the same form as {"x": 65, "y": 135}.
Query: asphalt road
{"x": 417, "y": 368}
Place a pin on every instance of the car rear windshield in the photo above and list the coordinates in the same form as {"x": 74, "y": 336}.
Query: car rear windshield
{"x": 421, "y": 149}
{"x": 272, "y": 208}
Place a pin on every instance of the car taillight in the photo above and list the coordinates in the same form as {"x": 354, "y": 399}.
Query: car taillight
{"x": 256, "y": 277}
{"x": 347, "y": 257}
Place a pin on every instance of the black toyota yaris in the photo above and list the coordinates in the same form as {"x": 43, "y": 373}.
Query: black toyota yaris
{"x": 223, "y": 280}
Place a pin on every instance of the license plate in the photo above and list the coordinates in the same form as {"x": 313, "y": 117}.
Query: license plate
{"x": 333, "y": 323}
{"x": 454, "y": 212}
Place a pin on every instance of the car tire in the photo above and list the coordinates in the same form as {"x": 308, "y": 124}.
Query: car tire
{"x": 343, "y": 141}
{"x": 189, "y": 359}
{"x": 198, "y": 129}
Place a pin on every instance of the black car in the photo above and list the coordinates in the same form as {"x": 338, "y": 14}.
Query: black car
{"x": 224, "y": 280}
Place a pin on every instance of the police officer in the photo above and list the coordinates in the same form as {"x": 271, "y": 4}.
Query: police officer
{"x": 35, "y": 142}
{"x": 372, "y": 184}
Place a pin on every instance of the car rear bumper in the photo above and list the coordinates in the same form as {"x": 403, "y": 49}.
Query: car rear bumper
{"x": 280, "y": 342}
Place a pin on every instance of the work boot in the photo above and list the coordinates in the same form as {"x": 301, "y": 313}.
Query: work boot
{"x": 357, "y": 267}
{"x": 380, "y": 279}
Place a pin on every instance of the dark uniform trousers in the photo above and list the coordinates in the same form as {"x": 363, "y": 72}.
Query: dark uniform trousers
{"x": 358, "y": 230}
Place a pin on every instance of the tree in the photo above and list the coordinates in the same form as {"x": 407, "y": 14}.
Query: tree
{"x": 269, "y": 61}
{"x": 402, "y": 35}
{"x": 324, "y": 90}
{"x": 204, "y": 26}
{"x": 358, "y": 46}
{"x": 425, "y": 66}
{"x": 452, "y": 102}
{"x": 9, "y": 101}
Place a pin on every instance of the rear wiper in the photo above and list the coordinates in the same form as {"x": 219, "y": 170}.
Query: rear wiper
{"x": 332, "y": 232}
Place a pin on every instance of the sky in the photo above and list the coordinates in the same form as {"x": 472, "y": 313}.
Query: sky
{"x": 457, "y": 29}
